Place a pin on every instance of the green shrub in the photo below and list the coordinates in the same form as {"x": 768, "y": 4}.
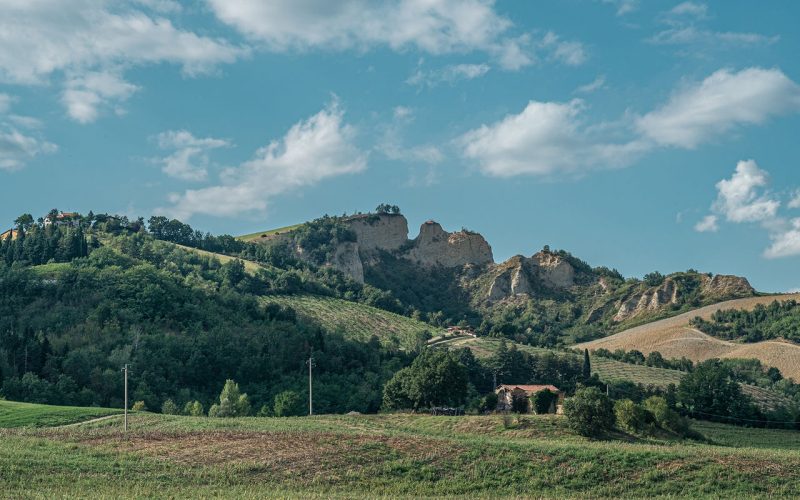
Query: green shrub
{"x": 632, "y": 417}
{"x": 666, "y": 417}
{"x": 542, "y": 401}
{"x": 232, "y": 403}
{"x": 194, "y": 409}
{"x": 520, "y": 404}
{"x": 287, "y": 404}
{"x": 170, "y": 408}
{"x": 139, "y": 406}
{"x": 589, "y": 412}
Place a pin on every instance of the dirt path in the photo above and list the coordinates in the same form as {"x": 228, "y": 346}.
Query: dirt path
{"x": 91, "y": 421}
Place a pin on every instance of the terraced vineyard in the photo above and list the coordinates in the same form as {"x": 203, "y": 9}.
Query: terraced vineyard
{"x": 357, "y": 321}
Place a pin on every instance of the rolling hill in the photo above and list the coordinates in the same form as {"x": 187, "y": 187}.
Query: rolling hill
{"x": 675, "y": 338}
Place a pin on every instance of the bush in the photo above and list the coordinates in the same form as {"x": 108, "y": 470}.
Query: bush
{"x": 232, "y": 403}
{"x": 542, "y": 401}
{"x": 632, "y": 417}
{"x": 488, "y": 403}
{"x": 287, "y": 404}
{"x": 666, "y": 417}
{"x": 170, "y": 408}
{"x": 194, "y": 409}
{"x": 520, "y": 404}
{"x": 139, "y": 406}
{"x": 589, "y": 412}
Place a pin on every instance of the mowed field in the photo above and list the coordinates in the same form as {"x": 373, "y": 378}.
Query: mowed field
{"x": 399, "y": 455}
{"x": 357, "y": 321}
{"x": 14, "y": 414}
{"x": 610, "y": 370}
{"x": 674, "y": 338}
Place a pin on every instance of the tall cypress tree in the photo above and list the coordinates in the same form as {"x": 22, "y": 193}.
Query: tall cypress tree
{"x": 587, "y": 365}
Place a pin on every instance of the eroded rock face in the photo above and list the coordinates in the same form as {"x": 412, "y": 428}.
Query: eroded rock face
{"x": 651, "y": 299}
{"x": 725, "y": 285}
{"x": 512, "y": 280}
{"x": 435, "y": 246}
{"x": 347, "y": 260}
{"x": 379, "y": 231}
{"x": 554, "y": 270}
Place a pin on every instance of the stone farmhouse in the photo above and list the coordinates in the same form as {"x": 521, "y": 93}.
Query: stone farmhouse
{"x": 507, "y": 393}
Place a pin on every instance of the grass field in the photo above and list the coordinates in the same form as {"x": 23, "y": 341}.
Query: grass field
{"x": 356, "y": 321}
{"x": 674, "y": 338}
{"x": 259, "y": 234}
{"x": 388, "y": 456}
{"x": 14, "y": 414}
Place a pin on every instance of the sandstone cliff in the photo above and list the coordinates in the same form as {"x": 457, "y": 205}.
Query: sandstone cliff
{"x": 379, "y": 231}
{"x": 435, "y": 246}
{"x": 518, "y": 275}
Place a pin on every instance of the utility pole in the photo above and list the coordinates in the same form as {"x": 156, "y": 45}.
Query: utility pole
{"x": 310, "y": 364}
{"x": 125, "y": 369}
{"x": 495, "y": 379}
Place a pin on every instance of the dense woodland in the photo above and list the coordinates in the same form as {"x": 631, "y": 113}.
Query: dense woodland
{"x": 776, "y": 320}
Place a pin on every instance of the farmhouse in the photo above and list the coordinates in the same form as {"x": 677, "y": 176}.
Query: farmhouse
{"x": 507, "y": 393}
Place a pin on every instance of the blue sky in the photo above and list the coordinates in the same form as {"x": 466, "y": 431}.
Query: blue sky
{"x": 637, "y": 135}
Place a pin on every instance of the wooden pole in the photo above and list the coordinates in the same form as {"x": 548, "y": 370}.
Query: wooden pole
{"x": 126, "y": 396}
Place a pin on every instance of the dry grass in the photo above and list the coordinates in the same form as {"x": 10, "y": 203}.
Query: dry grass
{"x": 674, "y": 338}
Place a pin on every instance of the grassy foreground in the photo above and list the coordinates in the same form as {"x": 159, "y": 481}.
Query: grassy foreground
{"x": 387, "y": 455}
{"x": 14, "y": 414}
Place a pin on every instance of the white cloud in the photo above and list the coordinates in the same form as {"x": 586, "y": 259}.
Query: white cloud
{"x": 546, "y": 138}
{"x": 739, "y": 198}
{"x": 17, "y": 148}
{"x": 720, "y": 103}
{"x": 795, "y": 201}
{"x": 707, "y": 224}
{"x": 693, "y": 9}
{"x": 392, "y": 146}
{"x": 566, "y": 52}
{"x": 87, "y": 94}
{"x": 597, "y": 84}
{"x": 623, "y": 6}
{"x": 689, "y": 35}
{"x": 431, "y": 26}
{"x": 82, "y": 39}
{"x": 786, "y": 242}
{"x": 449, "y": 74}
{"x": 5, "y": 102}
{"x": 312, "y": 150}
{"x": 189, "y": 161}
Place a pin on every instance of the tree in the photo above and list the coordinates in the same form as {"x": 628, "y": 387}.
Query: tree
{"x": 287, "y": 404}
{"x": 170, "y": 408}
{"x": 653, "y": 279}
{"x": 589, "y": 412}
{"x": 435, "y": 378}
{"x": 24, "y": 222}
{"x": 520, "y": 404}
{"x": 543, "y": 400}
{"x": 194, "y": 409}
{"x": 587, "y": 365}
{"x": 632, "y": 417}
{"x": 139, "y": 406}
{"x": 666, "y": 417}
{"x": 232, "y": 403}
{"x": 711, "y": 391}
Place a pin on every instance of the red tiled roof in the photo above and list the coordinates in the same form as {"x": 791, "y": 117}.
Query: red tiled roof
{"x": 529, "y": 388}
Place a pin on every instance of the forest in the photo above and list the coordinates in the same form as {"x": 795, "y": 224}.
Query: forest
{"x": 774, "y": 321}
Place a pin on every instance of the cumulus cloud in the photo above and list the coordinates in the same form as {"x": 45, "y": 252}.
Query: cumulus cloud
{"x": 189, "y": 159}
{"x": 86, "y": 94}
{"x": 623, "y": 6}
{"x": 744, "y": 198}
{"x": 740, "y": 198}
{"x": 313, "y": 150}
{"x": 449, "y": 74}
{"x": 431, "y": 26}
{"x": 707, "y": 224}
{"x": 693, "y": 9}
{"x": 721, "y": 102}
{"x": 84, "y": 40}
{"x": 570, "y": 53}
{"x": 785, "y": 242}
{"x": 546, "y": 138}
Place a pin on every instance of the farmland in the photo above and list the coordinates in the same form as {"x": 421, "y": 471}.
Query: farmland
{"x": 356, "y": 321}
{"x": 14, "y": 414}
{"x": 387, "y": 455}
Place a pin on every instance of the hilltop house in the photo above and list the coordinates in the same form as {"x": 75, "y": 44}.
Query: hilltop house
{"x": 63, "y": 219}
{"x": 507, "y": 393}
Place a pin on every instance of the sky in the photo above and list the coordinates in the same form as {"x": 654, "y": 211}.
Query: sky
{"x": 657, "y": 135}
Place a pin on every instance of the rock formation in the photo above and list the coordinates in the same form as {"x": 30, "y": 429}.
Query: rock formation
{"x": 379, "y": 231}
{"x": 435, "y": 246}
{"x": 516, "y": 275}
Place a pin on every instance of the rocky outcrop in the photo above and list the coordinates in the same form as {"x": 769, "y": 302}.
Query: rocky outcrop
{"x": 435, "y": 246}
{"x": 554, "y": 270}
{"x": 726, "y": 286}
{"x": 379, "y": 231}
{"x": 347, "y": 260}
{"x": 651, "y": 300}
{"x": 511, "y": 280}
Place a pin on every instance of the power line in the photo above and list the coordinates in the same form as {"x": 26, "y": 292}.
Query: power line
{"x": 743, "y": 419}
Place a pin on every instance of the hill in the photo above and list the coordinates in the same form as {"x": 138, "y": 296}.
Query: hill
{"x": 358, "y": 321}
{"x": 675, "y": 338}
{"x": 14, "y": 414}
{"x": 390, "y": 456}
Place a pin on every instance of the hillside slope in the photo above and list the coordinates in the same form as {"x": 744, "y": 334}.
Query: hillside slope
{"x": 675, "y": 338}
